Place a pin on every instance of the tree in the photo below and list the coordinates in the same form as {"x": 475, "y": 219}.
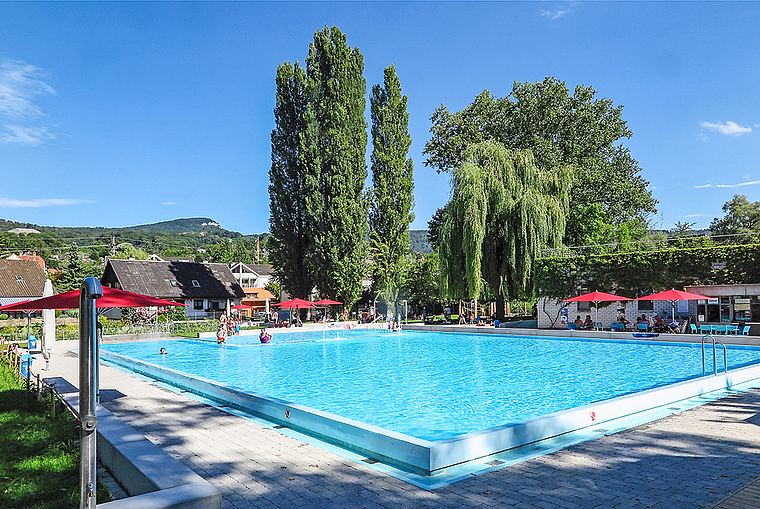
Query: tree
{"x": 504, "y": 209}
{"x": 332, "y": 151}
{"x": 421, "y": 280}
{"x": 75, "y": 272}
{"x": 125, "y": 251}
{"x": 560, "y": 129}
{"x": 435, "y": 225}
{"x": 241, "y": 254}
{"x": 291, "y": 237}
{"x": 392, "y": 184}
{"x": 222, "y": 252}
{"x": 741, "y": 217}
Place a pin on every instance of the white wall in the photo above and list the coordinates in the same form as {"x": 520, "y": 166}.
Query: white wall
{"x": 608, "y": 312}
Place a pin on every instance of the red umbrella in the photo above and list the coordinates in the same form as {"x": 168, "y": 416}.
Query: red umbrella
{"x": 241, "y": 306}
{"x": 327, "y": 302}
{"x": 596, "y": 298}
{"x": 295, "y": 304}
{"x": 112, "y": 298}
{"x": 674, "y": 295}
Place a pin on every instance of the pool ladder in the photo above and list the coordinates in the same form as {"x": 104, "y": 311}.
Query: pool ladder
{"x": 715, "y": 355}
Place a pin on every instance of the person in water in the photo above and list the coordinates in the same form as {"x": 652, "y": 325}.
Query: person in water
{"x": 265, "y": 337}
{"x": 163, "y": 351}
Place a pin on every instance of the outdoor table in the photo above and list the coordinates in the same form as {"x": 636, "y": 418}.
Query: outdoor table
{"x": 732, "y": 329}
{"x": 706, "y": 329}
{"x": 718, "y": 329}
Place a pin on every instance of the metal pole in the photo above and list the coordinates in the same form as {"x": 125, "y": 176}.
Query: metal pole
{"x": 88, "y": 346}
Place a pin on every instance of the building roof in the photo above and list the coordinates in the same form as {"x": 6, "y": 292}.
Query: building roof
{"x": 173, "y": 280}
{"x": 23, "y": 230}
{"x": 34, "y": 257}
{"x": 258, "y": 293}
{"x": 21, "y": 278}
{"x": 263, "y": 269}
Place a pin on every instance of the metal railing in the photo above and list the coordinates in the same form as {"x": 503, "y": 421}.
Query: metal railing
{"x": 715, "y": 355}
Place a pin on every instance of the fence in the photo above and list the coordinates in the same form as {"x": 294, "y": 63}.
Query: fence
{"x": 21, "y": 364}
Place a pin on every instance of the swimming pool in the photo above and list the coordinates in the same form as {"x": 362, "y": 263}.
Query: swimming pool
{"x": 429, "y": 400}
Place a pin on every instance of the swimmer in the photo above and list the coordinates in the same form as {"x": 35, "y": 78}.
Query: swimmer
{"x": 163, "y": 351}
{"x": 265, "y": 337}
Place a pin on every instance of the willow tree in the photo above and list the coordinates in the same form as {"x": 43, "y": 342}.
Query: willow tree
{"x": 288, "y": 222}
{"x": 504, "y": 209}
{"x": 333, "y": 152}
{"x": 390, "y": 210}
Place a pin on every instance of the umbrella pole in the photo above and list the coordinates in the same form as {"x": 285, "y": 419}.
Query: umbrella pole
{"x": 88, "y": 356}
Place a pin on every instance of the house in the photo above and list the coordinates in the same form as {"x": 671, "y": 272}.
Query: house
{"x": 206, "y": 288}
{"x": 20, "y": 280}
{"x": 34, "y": 257}
{"x": 249, "y": 275}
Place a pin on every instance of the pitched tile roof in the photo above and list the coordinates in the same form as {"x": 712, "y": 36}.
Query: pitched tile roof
{"x": 173, "y": 280}
{"x": 21, "y": 278}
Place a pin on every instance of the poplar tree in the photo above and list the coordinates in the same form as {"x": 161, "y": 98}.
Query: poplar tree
{"x": 392, "y": 184}
{"x": 290, "y": 237}
{"x": 503, "y": 211}
{"x": 332, "y": 152}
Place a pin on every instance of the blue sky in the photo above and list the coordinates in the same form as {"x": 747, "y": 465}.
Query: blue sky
{"x": 125, "y": 113}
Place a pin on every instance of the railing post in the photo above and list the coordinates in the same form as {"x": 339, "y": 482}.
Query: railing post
{"x": 88, "y": 358}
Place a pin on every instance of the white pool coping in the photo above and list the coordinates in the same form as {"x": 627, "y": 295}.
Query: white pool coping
{"x": 432, "y": 457}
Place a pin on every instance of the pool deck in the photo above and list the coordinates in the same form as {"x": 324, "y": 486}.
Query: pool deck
{"x": 702, "y": 457}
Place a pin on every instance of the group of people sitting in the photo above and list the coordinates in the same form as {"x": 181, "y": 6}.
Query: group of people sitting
{"x": 588, "y": 324}
{"x": 656, "y": 324}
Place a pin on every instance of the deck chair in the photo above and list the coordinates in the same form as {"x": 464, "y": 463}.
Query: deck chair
{"x": 643, "y": 327}
{"x": 693, "y": 328}
{"x": 745, "y": 330}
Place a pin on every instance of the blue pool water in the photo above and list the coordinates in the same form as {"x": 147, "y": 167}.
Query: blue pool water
{"x": 435, "y": 385}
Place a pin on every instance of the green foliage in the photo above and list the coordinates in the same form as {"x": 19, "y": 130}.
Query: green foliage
{"x": 391, "y": 202}
{"x": 222, "y": 252}
{"x": 741, "y": 217}
{"x": 503, "y": 211}
{"x": 75, "y": 271}
{"x": 560, "y": 129}
{"x": 125, "y": 251}
{"x": 39, "y": 458}
{"x": 274, "y": 288}
{"x": 637, "y": 273}
{"x": 418, "y": 242}
{"x": 333, "y": 149}
{"x": 420, "y": 280}
{"x": 291, "y": 235}
{"x": 240, "y": 253}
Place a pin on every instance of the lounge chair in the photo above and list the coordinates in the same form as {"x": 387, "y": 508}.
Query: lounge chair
{"x": 745, "y": 330}
{"x": 643, "y": 327}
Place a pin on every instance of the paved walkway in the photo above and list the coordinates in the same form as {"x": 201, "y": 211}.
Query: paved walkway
{"x": 690, "y": 460}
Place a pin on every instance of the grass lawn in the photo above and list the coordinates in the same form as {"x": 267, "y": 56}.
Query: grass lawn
{"x": 39, "y": 457}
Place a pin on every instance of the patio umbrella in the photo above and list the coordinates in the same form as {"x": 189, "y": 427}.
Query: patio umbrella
{"x": 325, "y": 303}
{"x": 241, "y": 306}
{"x": 112, "y": 298}
{"x": 673, "y": 295}
{"x": 295, "y": 304}
{"x": 596, "y": 298}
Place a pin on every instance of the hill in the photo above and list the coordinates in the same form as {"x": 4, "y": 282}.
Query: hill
{"x": 418, "y": 241}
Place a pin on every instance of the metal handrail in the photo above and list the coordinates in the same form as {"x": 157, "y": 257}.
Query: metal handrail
{"x": 715, "y": 355}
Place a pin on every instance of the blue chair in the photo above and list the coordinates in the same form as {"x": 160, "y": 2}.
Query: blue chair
{"x": 718, "y": 329}
{"x": 693, "y": 328}
{"x": 598, "y": 326}
{"x": 732, "y": 329}
{"x": 572, "y": 326}
{"x": 705, "y": 329}
{"x": 644, "y": 327}
{"x": 745, "y": 330}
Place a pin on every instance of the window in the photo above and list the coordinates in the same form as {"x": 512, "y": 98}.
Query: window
{"x": 198, "y": 304}
{"x": 196, "y": 284}
{"x": 584, "y": 306}
{"x": 646, "y": 305}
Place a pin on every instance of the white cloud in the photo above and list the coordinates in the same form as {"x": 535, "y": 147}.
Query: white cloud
{"x": 557, "y": 13}
{"x": 41, "y": 202}
{"x": 26, "y": 135}
{"x": 170, "y": 203}
{"x": 741, "y": 184}
{"x": 19, "y": 84}
{"x": 730, "y": 128}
